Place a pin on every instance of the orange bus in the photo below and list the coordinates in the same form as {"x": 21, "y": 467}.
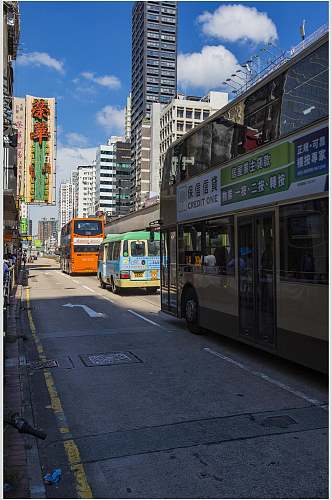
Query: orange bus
{"x": 79, "y": 247}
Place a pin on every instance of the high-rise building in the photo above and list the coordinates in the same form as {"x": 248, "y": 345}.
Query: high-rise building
{"x": 113, "y": 174}
{"x": 128, "y": 118}
{"x": 74, "y": 181}
{"x": 47, "y": 228}
{"x": 86, "y": 192}
{"x": 66, "y": 203}
{"x": 154, "y": 54}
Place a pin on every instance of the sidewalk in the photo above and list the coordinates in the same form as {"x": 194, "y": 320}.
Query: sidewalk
{"x": 15, "y": 474}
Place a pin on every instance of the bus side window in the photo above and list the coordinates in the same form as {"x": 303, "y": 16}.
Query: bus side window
{"x": 125, "y": 248}
{"x": 110, "y": 251}
{"x": 105, "y": 252}
{"x": 101, "y": 252}
{"x": 116, "y": 250}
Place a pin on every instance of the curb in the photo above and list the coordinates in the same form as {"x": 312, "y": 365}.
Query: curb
{"x": 20, "y": 452}
{"x": 36, "y": 484}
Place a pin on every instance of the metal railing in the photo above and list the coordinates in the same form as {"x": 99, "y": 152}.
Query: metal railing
{"x": 9, "y": 280}
{"x": 282, "y": 59}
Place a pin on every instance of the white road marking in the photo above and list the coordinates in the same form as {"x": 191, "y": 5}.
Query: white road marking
{"x": 88, "y": 310}
{"x": 267, "y": 378}
{"x": 90, "y": 289}
{"x": 143, "y": 317}
{"x": 75, "y": 281}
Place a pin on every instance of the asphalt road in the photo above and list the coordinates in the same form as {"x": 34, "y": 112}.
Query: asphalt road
{"x": 174, "y": 415}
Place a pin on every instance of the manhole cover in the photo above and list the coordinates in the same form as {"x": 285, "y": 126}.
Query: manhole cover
{"x": 49, "y": 363}
{"x": 282, "y": 421}
{"x": 109, "y": 358}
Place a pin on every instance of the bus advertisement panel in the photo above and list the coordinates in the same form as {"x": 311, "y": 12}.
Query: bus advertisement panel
{"x": 80, "y": 240}
{"x": 290, "y": 169}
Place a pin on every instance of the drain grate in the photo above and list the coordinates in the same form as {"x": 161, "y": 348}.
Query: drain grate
{"x": 279, "y": 421}
{"x": 49, "y": 363}
{"x": 109, "y": 358}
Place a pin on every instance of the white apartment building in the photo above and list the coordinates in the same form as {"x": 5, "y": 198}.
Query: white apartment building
{"x": 155, "y": 149}
{"x": 86, "y": 190}
{"x": 181, "y": 115}
{"x": 128, "y": 118}
{"x": 66, "y": 203}
{"x": 74, "y": 180}
{"x": 106, "y": 176}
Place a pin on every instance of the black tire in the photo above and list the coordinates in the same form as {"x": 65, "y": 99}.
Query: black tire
{"x": 153, "y": 289}
{"x": 102, "y": 284}
{"x": 191, "y": 312}
{"x": 114, "y": 288}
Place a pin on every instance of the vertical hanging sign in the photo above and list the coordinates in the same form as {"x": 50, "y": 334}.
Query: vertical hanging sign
{"x": 40, "y": 144}
{"x": 19, "y": 123}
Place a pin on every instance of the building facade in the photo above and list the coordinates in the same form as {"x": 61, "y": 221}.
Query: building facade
{"x": 74, "y": 180}
{"x": 113, "y": 177}
{"x": 154, "y": 68}
{"x": 47, "y": 228}
{"x": 128, "y": 118}
{"x": 86, "y": 190}
{"x": 66, "y": 205}
{"x": 10, "y": 39}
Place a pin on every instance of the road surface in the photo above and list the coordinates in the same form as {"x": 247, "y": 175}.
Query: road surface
{"x": 135, "y": 406}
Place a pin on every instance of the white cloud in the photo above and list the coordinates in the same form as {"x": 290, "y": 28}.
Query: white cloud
{"x": 40, "y": 59}
{"x": 109, "y": 81}
{"x": 75, "y": 139}
{"x": 237, "y": 22}
{"x": 68, "y": 158}
{"x": 206, "y": 69}
{"x": 112, "y": 119}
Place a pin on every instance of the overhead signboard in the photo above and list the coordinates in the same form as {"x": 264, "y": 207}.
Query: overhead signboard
{"x": 40, "y": 151}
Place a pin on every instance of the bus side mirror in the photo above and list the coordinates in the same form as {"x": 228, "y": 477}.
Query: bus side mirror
{"x": 151, "y": 235}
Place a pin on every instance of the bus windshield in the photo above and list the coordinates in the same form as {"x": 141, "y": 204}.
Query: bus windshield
{"x": 137, "y": 248}
{"x": 87, "y": 227}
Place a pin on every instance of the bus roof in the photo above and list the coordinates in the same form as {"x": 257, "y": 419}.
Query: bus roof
{"x": 132, "y": 235}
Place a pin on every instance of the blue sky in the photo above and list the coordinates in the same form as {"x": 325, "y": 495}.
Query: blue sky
{"x": 80, "y": 53}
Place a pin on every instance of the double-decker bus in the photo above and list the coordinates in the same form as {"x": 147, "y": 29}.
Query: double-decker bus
{"x": 130, "y": 260}
{"x": 79, "y": 246}
{"x": 244, "y": 215}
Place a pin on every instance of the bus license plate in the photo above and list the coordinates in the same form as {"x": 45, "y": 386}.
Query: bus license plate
{"x": 138, "y": 275}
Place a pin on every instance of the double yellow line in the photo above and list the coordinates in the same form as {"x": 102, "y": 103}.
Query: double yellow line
{"x": 81, "y": 483}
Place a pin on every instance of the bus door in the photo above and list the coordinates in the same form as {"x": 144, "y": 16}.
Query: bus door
{"x": 168, "y": 271}
{"x": 256, "y": 271}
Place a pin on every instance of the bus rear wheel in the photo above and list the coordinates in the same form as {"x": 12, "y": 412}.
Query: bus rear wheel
{"x": 191, "y": 312}
{"x": 152, "y": 289}
{"x": 114, "y": 288}
{"x": 102, "y": 284}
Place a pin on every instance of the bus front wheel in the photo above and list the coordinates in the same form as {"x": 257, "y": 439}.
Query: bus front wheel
{"x": 191, "y": 312}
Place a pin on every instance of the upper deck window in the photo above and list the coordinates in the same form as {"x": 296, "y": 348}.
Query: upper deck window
{"x": 87, "y": 227}
{"x": 305, "y": 98}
